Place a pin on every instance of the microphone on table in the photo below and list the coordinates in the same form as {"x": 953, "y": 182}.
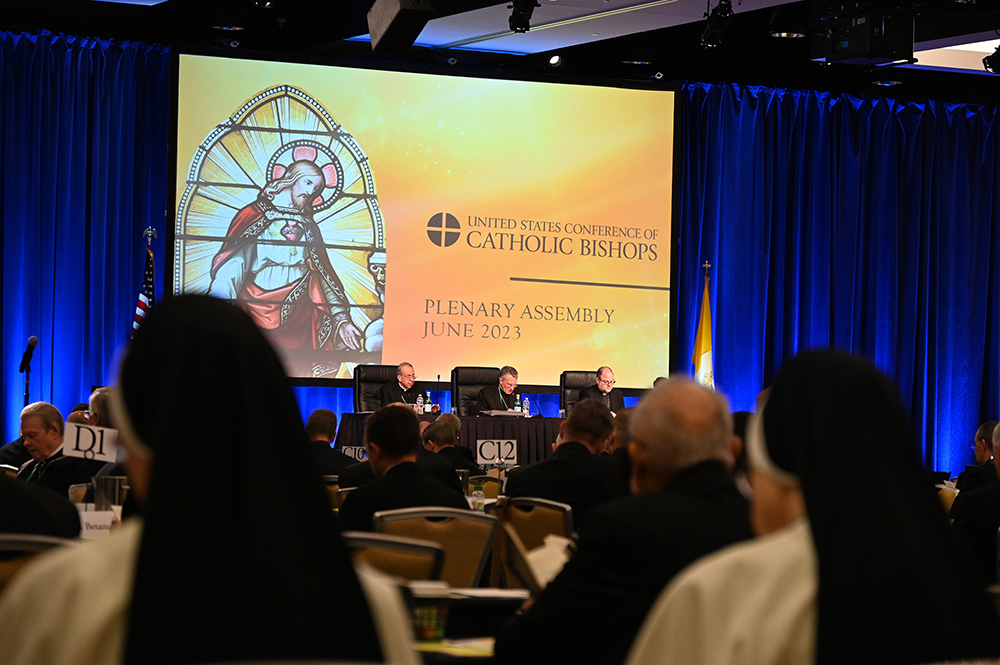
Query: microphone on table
{"x": 28, "y": 352}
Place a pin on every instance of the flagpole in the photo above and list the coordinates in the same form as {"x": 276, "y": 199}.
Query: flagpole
{"x": 702, "y": 355}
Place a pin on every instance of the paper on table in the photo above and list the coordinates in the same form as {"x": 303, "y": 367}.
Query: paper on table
{"x": 546, "y": 561}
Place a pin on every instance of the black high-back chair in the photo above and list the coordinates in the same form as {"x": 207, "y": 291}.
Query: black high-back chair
{"x": 367, "y": 381}
{"x": 571, "y": 382}
{"x": 466, "y": 382}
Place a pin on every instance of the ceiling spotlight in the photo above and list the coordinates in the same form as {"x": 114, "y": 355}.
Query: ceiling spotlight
{"x": 658, "y": 75}
{"x": 787, "y": 23}
{"x": 520, "y": 17}
{"x": 555, "y": 61}
{"x": 992, "y": 62}
{"x": 718, "y": 21}
{"x": 452, "y": 61}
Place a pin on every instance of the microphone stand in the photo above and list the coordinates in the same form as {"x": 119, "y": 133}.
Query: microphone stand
{"x": 27, "y": 380}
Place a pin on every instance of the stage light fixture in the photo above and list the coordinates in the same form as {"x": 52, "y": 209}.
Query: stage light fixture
{"x": 555, "y": 61}
{"x": 787, "y": 23}
{"x": 992, "y": 62}
{"x": 715, "y": 26}
{"x": 520, "y": 17}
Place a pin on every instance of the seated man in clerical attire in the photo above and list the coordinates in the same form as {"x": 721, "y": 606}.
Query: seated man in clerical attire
{"x": 501, "y": 396}
{"x": 604, "y": 391}
{"x": 402, "y": 389}
{"x": 439, "y": 438}
{"x": 321, "y": 428}
{"x": 42, "y": 428}
{"x": 392, "y": 439}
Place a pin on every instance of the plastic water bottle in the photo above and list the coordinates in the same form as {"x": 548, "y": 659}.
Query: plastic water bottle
{"x": 428, "y": 404}
{"x": 517, "y": 402}
{"x": 478, "y": 498}
{"x": 420, "y": 403}
{"x": 526, "y": 407}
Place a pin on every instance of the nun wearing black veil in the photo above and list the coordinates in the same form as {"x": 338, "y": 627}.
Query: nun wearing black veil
{"x": 237, "y": 555}
{"x": 854, "y": 560}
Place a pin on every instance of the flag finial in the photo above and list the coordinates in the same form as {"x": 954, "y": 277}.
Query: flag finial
{"x": 150, "y": 233}
{"x": 706, "y": 265}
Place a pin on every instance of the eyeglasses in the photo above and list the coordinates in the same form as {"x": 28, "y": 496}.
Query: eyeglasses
{"x": 408, "y": 376}
{"x": 607, "y": 382}
{"x": 86, "y": 414}
{"x": 509, "y": 383}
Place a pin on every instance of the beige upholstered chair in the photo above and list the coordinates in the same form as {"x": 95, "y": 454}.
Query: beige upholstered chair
{"x": 409, "y": 558}
{"x": 465, "y": 536}
{"x": 22, "y": 547}
{"x": 490, "y": 485}
{"x": 532, "y": 520}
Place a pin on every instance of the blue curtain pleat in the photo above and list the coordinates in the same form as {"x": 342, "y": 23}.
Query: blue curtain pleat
{"x": 868, "y": 225}
{"x": 83, "y": 170}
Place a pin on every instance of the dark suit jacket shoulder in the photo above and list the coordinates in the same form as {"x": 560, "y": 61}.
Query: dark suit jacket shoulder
{"x": 457, "y": 460}
{"x": 403, "y": 486}
{"x": 616, "y": 397}
{"x": 977, "y": 476}
{"x": 430, "y": 463}
{"x": 628, "y": 551}
{"x": 392, "y": 392}
{"x": 573, "y": 475}
{"x": 977, "y": 518}
{"x": 489, "y": 399}
{"x": 330, "y": 462}
{"x": 28, "y": 509}
{"x": 60, "y": 472}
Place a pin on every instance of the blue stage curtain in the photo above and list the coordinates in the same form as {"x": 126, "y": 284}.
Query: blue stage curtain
{"x": 83, "y": 170}
{"x": 867, "y": 225}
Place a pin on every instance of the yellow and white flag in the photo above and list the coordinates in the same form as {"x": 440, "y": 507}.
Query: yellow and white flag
{"x": 702, "y": 356}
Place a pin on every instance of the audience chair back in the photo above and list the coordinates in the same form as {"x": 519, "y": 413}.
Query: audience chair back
{"x": 466, "y": 382}
{"x": 465, "y": 536}
{"x": 341, "y": 494}
{"x": 77, "y": 492}
{"x": 947, "y": 496}
{"x": 571, "y": 382}
{"x": 490, "y": 485}
{"x": 532, "y": 520}
{"x": 408, "y": 558}
{"x": 17, "y": 549}
{"x": 367, "y": 381}
{"x": 515, "y": 561}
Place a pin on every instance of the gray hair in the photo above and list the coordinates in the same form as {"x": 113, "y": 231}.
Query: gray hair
{"x": 99, "y": 403}
{"x": 507, "y": 370}
{"x": 49, "y": 414}
{"x": 681, "y": 423}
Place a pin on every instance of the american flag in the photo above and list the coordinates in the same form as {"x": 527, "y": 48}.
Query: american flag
{"x": 147, "y": 297}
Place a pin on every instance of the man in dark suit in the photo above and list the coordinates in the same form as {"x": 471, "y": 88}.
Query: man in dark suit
{"x": 27, "y": 509}
{"x": 42, "y": 428}
{"x": 439, "y": 438}
{"x": 392, "y": 438}
{"x": 605, "y": 392}
{"x": 403, "y": 389}
{"x": 321, "y": 428}
{"x": 577, "y": 473}
{"x": 984, "y": 473}
{"x": 976, "y": 514}
{"x": 499, "y": 397}
{"x": 685, "y": 507}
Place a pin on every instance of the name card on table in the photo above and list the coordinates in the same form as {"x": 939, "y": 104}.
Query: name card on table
{"x": 89, "y": 442}
{"x": 496, "y": 451}
{"x": 95, "y": 524}
{"x": 354, "y": 452}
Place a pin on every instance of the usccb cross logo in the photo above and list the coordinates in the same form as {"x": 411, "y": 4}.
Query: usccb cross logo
{"x": 443, "y": 229}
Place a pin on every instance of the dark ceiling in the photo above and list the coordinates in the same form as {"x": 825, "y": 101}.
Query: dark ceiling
{"x": 317, "y": 29}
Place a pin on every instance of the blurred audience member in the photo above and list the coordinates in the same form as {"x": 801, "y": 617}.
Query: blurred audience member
{"x": 439, "y": 437}
{"x": 227, "y": 545}
{"x": 976, "y": 514}
{"x": 392, "y": 439}
{"x": 321, "y": 428}
{"x": 845, "y": 570}
{"x": 686, "y": 506}
{"x": 985, "y": 472}
{"x": 576, "y": 473}
{"x": 27, "y": 509}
